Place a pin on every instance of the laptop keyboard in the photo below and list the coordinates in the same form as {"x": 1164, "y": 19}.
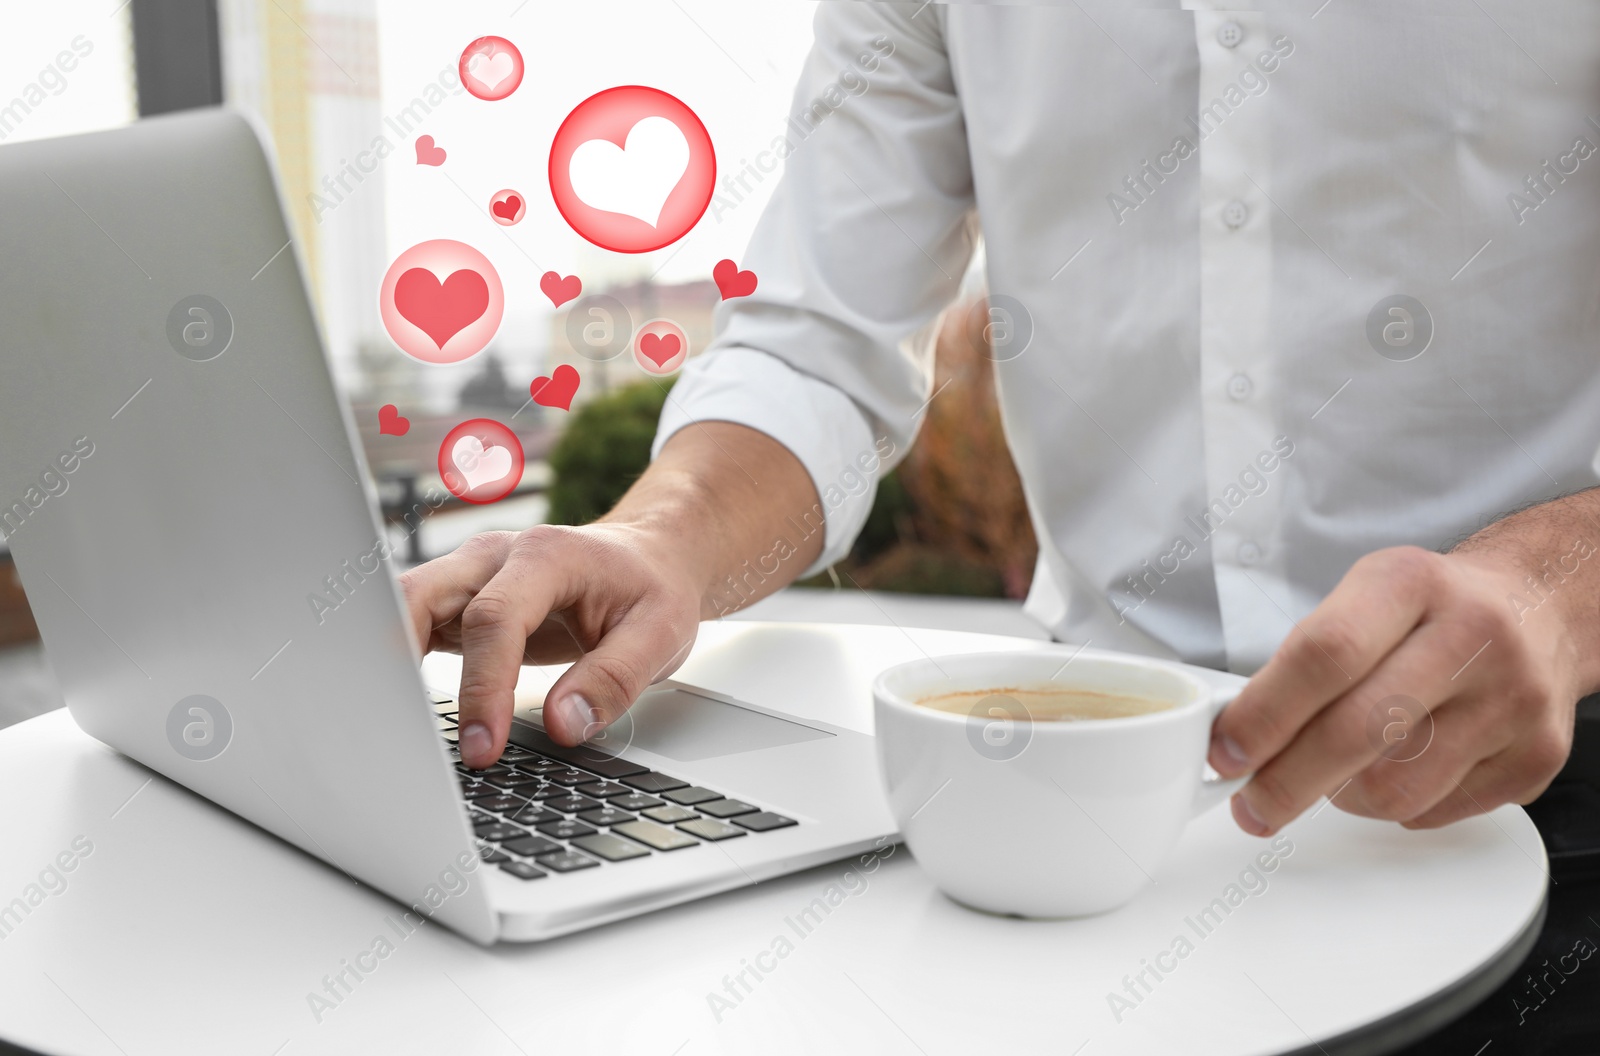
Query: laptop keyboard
{"x": 545, "y": 808}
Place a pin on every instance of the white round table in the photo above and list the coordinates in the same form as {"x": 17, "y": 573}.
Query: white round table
{"x": 185, "y": 930}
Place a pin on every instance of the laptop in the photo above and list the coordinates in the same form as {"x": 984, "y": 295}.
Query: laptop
{"x": 178, "y": 474}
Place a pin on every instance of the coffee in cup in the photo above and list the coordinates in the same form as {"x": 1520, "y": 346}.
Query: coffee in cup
{"x": 1046, "y": 783}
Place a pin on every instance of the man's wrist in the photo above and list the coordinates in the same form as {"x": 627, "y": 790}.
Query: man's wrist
{"x": 1546, "y": 561}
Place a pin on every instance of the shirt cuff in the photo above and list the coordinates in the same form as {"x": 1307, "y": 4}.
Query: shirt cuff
{"x": 816, "y": 421}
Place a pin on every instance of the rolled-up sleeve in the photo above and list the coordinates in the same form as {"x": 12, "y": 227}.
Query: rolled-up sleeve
{"x": 865, "y": 240}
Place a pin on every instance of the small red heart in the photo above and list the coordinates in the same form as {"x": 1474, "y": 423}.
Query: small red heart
{"x": 391, "y": 422}
{"x": 658, "y": 348}
{"x": 427, "y": 153}
{"x": 733, "y": 282}
{"x": 557, "y": 390}
{"x": 441, "y": 310}
{"x": 560, "y": 290}
{"x": 508, "y": 209}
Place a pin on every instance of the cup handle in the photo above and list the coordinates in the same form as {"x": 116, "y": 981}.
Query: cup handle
{"x": 1214, "y": 790}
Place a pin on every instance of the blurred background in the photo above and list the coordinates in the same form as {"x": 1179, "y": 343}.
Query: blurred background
{"x": 341, "y": 87}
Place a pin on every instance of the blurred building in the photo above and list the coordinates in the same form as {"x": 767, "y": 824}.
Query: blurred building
{"x": 308, "y": 70}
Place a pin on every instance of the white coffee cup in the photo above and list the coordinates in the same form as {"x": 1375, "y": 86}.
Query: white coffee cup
{"x": 1044, "y": 818}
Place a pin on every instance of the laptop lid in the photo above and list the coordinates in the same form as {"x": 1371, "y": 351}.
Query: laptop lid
{"x": 178, "y": 479}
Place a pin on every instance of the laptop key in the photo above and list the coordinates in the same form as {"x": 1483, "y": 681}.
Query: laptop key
{"x": 452, "y": 735}
{"x": 607, "y": 765}
{"x": 511, "y": 781}
{"x": 522, "y": 870}
{"x": 589, "y": 758}
{"x": 571, "y": 803}
{"x": 603, "y": 789}
{"x": 652, "y": 835}
{"x": 478, "y": 817}
{"x": 569, "y": 777}
{"x": 634, "y": 801}
{"x": 481, "y": 792}
{"x": 529, "y": 846}
{"x": 650, "y": 781}
{"x": 534, "y": 814}
{"x": 611, "y": 848}
{"x": 691, "y": 795}
{"x": 500, "y": 804}
{"x": 566, "y": 862}
{"x": 669, "y": 815}
{"x": 563, "y": 829}
{"x": 538, "y": 764}
{"x": 727, "y": 808}
{"x": 496, "y": 768}
{"x": 491, "y": 855}
{"x": 711, "y": 829}
{"x": 501, "y": 831}
{"x": 444, "y": 723}
{"x": 605, "y": 816}
{"x": 764, "y": 821}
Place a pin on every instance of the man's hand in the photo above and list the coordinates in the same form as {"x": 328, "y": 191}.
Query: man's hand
{"x": 622, "y": 598}
{"x": 601, "y": 596}
{"x": 1436, "y": 648}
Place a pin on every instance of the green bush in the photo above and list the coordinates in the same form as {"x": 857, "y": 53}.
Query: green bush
{"x": 604, "y": 449}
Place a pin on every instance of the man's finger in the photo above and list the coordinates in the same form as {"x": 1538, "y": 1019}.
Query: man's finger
{"x": 1332, "y": 650}
{"x": 1519, "y": 774}
{"x": 494, "y": 634}
{"x": 1417, "y": 771}
{"x": 647, "y": 645}
{"x": 437, "y": 591}
{"x": 1350, "y": 734}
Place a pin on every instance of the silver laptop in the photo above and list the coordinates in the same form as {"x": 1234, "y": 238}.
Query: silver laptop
{"x": 178, "y": 475}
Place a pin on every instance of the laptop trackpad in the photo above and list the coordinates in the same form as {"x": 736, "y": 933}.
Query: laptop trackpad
{"x": 686, "y": 727}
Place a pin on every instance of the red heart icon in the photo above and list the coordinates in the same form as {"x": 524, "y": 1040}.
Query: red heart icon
{"x": 427, "y": 153}
{"x": 658, "y": 348}
{"x": 508, "y": 209}
{"x": 391, "y": 422}
{"x": 441, "y": 310}
{"x": 555, "y": 391}
{"x": 733, "y": 282}
{"x": 560, "y": 290}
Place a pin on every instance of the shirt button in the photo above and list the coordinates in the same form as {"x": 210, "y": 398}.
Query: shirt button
{"x": 1230, "y": 34}
{"x": 1249, "y": 553}
{"x": 1235, "y": 213}
{"x": 1239, "y": 386}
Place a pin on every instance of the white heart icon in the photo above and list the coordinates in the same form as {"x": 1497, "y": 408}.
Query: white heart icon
{"x": 490, "y": 71}
{"x": 635, "y": 180}
{"x": 480, "y": 465}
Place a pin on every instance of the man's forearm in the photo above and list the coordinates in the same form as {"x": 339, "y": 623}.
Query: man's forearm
{"x": 1554, "y": 549}
{"x": 733, "y": 507}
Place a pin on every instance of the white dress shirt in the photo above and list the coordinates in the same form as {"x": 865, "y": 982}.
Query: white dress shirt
{"x": 1277, "y": 285}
